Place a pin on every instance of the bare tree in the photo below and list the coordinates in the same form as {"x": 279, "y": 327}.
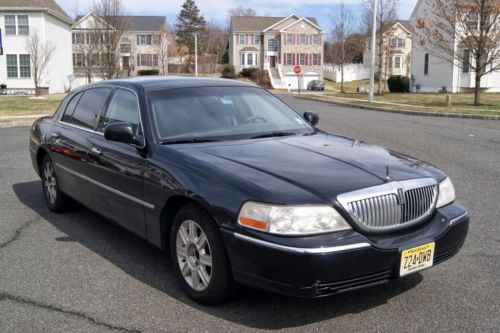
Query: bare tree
{"x": 386, "y": 16}
{"x": 242, "y": 11}
{"x": 40, "y": 52}
{"x": 106, "y": 31}
{"x": 165, "y": 41}
{"x": 343, "y": 26}
{"x": 464, "y": 33}
{"x": 214, "y": 44}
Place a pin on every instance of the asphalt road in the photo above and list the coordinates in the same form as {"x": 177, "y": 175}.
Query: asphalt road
{"x": 79, "y": 273}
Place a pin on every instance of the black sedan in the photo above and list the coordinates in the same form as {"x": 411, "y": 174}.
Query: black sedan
{"x": 243, "y": 190}
{"x": 315, "y": 85}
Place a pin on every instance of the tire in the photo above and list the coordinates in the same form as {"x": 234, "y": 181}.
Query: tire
{"x": 55, "y": 199}
{"x": 203, "y": 271}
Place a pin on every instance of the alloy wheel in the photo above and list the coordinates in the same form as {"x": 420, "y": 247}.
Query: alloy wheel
{"x": 193, "y": 255}
{"x": 50, "y": 182}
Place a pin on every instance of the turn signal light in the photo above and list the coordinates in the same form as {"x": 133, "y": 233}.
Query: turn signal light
{"x": 253, "y": 223}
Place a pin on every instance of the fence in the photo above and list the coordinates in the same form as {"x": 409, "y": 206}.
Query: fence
{"x": 352, "y": 72}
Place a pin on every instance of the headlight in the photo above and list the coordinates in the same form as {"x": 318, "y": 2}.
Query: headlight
{"x": 446, "y": 193}
{"x": 291, "y": 220}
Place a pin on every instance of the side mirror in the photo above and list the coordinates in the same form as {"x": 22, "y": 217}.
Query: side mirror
{"x": 120, "y": 132}
{"x": 311, "y": 117}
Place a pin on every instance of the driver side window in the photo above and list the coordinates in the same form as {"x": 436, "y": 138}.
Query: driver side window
{"x": 123, "y": 107}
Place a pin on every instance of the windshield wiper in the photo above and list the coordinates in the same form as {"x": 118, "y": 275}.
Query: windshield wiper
{"x": 273, "y": 134}
{"x": 191, "y": 140}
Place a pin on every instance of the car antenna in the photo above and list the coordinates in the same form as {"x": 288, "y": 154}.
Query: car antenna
{"x": 387, "y": 173}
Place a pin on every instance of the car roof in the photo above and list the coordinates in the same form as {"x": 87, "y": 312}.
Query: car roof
{"x": 151, "y": 83}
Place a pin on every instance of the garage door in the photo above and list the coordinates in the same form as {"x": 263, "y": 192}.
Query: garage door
{"x": 308, "y": 77}
{"x": 290, "y": 80}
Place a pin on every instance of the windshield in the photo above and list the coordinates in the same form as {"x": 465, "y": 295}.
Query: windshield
{"x": 222, "y": 113}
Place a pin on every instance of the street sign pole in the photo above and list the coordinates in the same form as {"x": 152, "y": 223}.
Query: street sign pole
{"x": 297, "y": 69}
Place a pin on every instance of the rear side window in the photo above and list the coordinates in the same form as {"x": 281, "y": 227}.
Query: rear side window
{"x": 89, "y": 107}
{"x": 123, "y": 106}
{"x": 70, "y": 108}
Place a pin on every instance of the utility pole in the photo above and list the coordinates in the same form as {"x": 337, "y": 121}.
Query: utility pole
{"x": 195, "y": 53}
{"x": 373, "y": 49}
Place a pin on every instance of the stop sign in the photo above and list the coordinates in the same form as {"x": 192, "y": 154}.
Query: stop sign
{"x": 297, "y": 69}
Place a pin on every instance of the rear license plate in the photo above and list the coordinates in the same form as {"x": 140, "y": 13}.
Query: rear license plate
{"x": 417, "y": 259}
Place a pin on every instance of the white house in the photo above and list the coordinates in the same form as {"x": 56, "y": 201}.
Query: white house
{"x": 19, "y": 18}
{"x": 432, "y": 74}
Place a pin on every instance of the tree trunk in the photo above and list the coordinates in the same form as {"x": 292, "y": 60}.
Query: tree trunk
{"x": 342, "y": 79}
{"x": 477, "y": 90}
{"x": 380, "y": 67}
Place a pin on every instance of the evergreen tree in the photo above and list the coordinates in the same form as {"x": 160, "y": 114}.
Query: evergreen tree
{"x": 188, "y": 22}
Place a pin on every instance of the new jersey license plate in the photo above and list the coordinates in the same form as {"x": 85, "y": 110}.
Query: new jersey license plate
{"x": 417, "y": 259}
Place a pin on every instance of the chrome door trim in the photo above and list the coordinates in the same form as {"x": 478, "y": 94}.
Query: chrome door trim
{"x": 110, "y": 189}
{"x": 301, "y": 250}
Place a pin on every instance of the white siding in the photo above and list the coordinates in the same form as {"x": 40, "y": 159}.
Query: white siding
{"x": 50, "y": 29}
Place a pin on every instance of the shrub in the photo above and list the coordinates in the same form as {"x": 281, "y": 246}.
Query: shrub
{"x": 228, "y": 71}
{"x": 251, "y": 72}
{"x": 398, "y": 83}
{"x": 143, "y": 72}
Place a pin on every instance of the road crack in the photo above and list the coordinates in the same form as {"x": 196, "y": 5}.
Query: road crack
{"x": 20, "y": 230}
{"x": 26, "y": 301}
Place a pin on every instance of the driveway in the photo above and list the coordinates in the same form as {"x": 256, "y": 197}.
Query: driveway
{"x": 76, "y": 272}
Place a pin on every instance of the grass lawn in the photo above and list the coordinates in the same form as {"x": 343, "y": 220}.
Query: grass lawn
{"x": 435, "y": 102}
{"x": 24, "y": 106}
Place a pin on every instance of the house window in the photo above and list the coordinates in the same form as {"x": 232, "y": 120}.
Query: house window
{"x": 147, "y": 60}
{"x": 243, "y": 39}
{"x": 77, "y": 38}
{"x": 426, "y": 64}
{"x": 12, "y": 65}
{"x": 315, "y": 59}
{"x": 397, "y": 42}
{"x": 144, "y": 39}
{"x": 250, "y": 59}
{"x": 24, "y": 65}
{"x": 77, "y": 59}
{"x": 289, "y": 39}
{"x": 315, "y": 39}
{"x": 396, "y": 62}
{"x": 473, "y": 20}
{"x": 256, "y": 39}
{"x": 272, "y": 45}
{"x": 302, "y": 59}
{"x": 10, "y": 25}
{"x": 302, "y": 38}
{"x": 466, "y": 61}
{"x": 289, "y": 59}
{"x": 23, "y": 27}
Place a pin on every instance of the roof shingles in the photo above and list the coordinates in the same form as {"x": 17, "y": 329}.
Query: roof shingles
{"x": 50, "y": 5}
{"x": 257, "y": 23}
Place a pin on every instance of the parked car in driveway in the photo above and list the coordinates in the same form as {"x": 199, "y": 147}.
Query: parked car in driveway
{"x": 315, "y": 85}
{"x": 242, "y": 189}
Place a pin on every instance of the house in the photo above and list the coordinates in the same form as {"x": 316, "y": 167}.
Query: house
{"x": 397, "y": 50}
{"x": 277, "y": 45}
{"x": 18, "y": 20}
{"x": 431, "y": 73}
{"x": 140, "y": 45}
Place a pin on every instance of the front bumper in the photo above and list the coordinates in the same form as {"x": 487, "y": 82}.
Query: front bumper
{"x": 323, "y": 265}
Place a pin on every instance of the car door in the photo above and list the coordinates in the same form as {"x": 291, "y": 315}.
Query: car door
{"x": 119, "y": 167}
{"x": 70, "y": 141}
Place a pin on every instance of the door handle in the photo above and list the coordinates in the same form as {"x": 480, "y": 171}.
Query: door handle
{"x": 96, "y": 151}
{"x": 55, "y": 135}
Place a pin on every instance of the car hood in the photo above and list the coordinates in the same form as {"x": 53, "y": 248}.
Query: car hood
{"x": 321, "y": 165}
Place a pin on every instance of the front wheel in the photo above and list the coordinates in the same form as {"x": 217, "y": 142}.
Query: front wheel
{"x": 55, "y": 199}
{"x": 199, "y": 257}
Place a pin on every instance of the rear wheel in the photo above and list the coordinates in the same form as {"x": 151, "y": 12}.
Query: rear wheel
{"x": 56, "y": 200}
{"x": 199, "y": 258}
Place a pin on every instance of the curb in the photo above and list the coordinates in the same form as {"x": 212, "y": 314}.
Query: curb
{"x": 413, "y": 113}
{"x": 18, "y": 121}
{"x": 10, "y": 124}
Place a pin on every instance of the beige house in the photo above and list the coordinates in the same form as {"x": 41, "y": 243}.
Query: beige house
{"x": 277, "y": 45}
{"x": 397, "y": 50}
{"x": 140, "y": 46}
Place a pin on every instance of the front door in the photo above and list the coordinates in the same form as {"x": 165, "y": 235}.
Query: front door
{"x": 118, "y": 168}
{"x": 126, "y": 63}
{"x": 272, "y": 61}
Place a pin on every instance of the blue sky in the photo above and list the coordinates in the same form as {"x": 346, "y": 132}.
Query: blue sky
{"x": 217, "y": 9}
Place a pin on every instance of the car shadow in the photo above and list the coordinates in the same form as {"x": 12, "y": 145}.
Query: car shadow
{"x": 252, "y": 308}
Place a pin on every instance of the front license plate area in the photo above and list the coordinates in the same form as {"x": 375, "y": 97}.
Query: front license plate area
{"x": 416, "y": 259}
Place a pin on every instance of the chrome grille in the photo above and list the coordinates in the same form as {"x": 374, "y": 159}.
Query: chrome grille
{"x": 392, "y": 205}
